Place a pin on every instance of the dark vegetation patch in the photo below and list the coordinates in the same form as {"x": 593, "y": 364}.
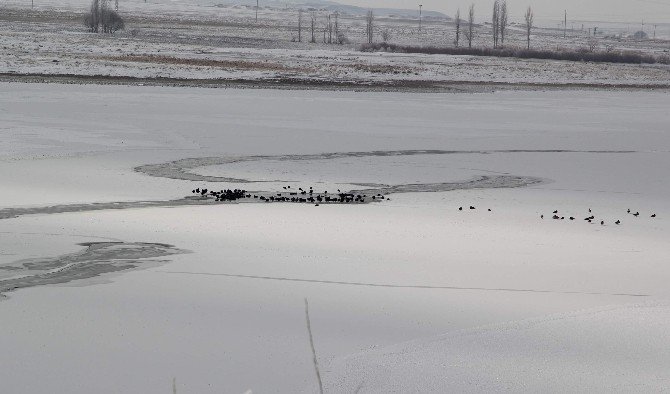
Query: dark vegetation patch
{"x": 578, "y": 55}
{"x": 226, "y": 64}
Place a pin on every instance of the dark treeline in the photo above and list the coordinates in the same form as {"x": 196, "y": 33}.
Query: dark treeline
{"x": 580, "y": 55}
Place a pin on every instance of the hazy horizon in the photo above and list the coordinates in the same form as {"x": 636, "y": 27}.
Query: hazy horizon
{"x": 651, "y": 11}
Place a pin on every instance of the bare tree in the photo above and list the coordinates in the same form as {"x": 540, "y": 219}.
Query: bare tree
{"x": 386, "y": 34}
{"x": 370, "y": 26}
{"x": 109, "y": 19}
{"x": 112, "y": 22}
{"x": 470, "y": 32}
{"x": 495, "y": 22}
{"x": 103, "y": 12}
{"x": 330, "y": 29}
{"x": 504, "y": 21}
{"x": 342, "y": 38}
{"x": 300, "y": 25}
{"x": 313, "y": 25}
{"x": 529, "y": 24}
{"x": 102, "y": 16}
{"x": 337, "y": 25}
{"x": 92, "y": 21}
{"x": 458, "y": 27}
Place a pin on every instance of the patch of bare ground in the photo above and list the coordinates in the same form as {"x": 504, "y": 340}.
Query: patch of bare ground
{"x": 290, "y": 83}
{"x": 225, "y": 64}
{"x": 382, "y": 68}
{"x": 39, "y": 16}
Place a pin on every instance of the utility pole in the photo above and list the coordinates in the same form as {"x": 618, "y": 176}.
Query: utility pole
{"x": 256, "y": 11}
{"x": 300, "y": 25}
{"x": 565, "y": 25}
{"x": 654, "y": 32}
{"x": 330, "y": 30}
{"x": 420, "y": 5}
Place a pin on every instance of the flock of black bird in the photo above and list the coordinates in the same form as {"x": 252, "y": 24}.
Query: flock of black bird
{"x": 310, "y": 196}
{"x": 471, "y": 208}
{"x": 592, "y": 219}
{"x": 290, "y": 195}
{"x": 222, "y": 195}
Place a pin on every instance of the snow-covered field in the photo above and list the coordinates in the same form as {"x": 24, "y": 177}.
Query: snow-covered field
{"x": 404, "y": 295}
{"x": 206, "y": 41}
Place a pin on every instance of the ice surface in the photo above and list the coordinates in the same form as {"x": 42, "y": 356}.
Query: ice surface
{"x": 494, "y": 297}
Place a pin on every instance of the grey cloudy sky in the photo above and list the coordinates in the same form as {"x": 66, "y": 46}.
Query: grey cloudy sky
{"x": 653, "y": 11}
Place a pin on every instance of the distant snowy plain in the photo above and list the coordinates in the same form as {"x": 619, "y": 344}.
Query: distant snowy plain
{"x": 407, "y": 295}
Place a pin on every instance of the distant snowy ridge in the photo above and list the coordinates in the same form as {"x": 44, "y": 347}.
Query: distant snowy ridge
{"x": 335, "y": 6}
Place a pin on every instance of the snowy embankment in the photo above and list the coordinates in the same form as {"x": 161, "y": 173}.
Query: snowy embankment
{"x": 114, "y": 58}
{"x": 214, "y": 295}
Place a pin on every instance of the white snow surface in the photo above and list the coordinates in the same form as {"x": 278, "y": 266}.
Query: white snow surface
{"x": 613, "y": 349}
{"x": 407, "y": 295}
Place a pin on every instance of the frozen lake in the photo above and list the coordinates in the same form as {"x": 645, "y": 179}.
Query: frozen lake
{"x": 405, "y": 295}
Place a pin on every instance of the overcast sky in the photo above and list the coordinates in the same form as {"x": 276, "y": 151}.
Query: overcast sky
{"x": 653, "y": 11}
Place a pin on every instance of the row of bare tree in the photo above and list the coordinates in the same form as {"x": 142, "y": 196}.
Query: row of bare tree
{"x": 331, "y": 29}
{"x": 499, "y": 23}
{"x": 470, "y": 32}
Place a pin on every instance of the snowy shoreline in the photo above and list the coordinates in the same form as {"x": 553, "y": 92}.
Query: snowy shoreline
{"x": 464, "y": 86}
